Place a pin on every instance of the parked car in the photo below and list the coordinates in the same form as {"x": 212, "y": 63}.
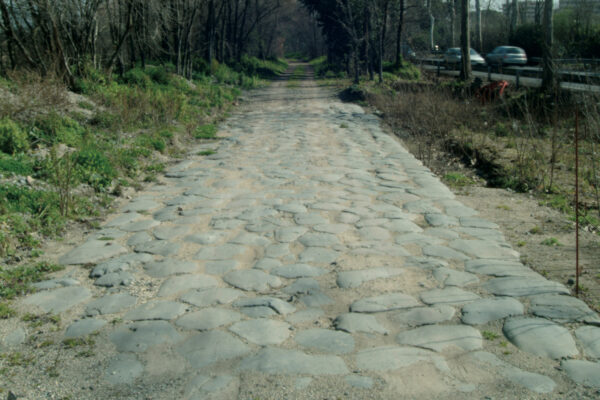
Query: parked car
{"x": 507, "y": 55}
{"x": 453, "y": 58}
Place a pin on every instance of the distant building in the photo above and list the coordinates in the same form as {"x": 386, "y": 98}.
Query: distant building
{"x": 585, "y": 6}
{"x": 529, "y": 10}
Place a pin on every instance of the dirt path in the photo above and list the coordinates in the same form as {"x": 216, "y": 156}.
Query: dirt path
{"x": 311, "y": 257}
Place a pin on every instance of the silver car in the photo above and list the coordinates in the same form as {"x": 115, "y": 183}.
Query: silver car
{"x": 453, "y": 57}
{"x": 505, "y": 55}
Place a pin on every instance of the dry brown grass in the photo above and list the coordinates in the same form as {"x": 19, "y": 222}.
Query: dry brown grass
{"x": 514, "y": 143}
{"x": 28, "y": 94}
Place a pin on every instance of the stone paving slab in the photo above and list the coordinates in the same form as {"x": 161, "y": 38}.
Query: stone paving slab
{"x": 541, "y": 337}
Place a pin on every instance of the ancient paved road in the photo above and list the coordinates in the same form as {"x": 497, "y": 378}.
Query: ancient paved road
{"x": 313, "y": 257}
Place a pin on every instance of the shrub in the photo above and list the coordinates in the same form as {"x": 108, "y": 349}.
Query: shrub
{"x": 12, "y": 138}
{"x": 54, "y": 128}
{"x": 159, "y": 74}
{"x": 95, "y": 168}
{"x": 137, "y": 77}
{"x": 18, "y": 165}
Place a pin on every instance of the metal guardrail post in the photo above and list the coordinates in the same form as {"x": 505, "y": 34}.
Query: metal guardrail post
{"x": 439, "y": 64}
{"x": 518, "y": 74}
{"x": 489, "y": 73}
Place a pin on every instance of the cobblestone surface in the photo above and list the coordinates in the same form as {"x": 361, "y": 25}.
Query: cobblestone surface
{"x": 313, "y": 256}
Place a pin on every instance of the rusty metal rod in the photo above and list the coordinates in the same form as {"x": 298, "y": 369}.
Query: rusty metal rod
{"x": 577, "y": 271}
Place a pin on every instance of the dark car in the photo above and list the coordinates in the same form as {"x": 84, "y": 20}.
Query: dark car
{"x": 507, "y": 55}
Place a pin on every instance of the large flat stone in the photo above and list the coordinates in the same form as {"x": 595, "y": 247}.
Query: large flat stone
{"x": 223, "y": 252}
{"x": 391, "y": 358}
{"x": 532, "y": 381}
{"x": 440, "y": 337}
{"x": 290, "y": 233}
{"x": 208, "y": 318}
{"x": 92, "y": 252}
{"x": 484, "y": 249}
{"x": 450, "y": 295}
{"x": 110, "y": 304}
{"x": 523, "y": 286}
{"x": 142, "y": 335}
{"x": 385, "y": 302}
{"x": 156, "y": 309}
{"x": 452, "y": 277}
{"x": 112, "y": 279}
{"x": 277, "y": 361}
{"x": 252, "y": 280}
{"x": 318, "y": 255}
{"x": 250, "y": 239}
{"x": 207, "y": 348}
{"x": 84, "y": 327}
{"x": 212, "y": 296}
{"x": 159, "y": 247}
{"x": 589, "y": 336}
{"x": 586, "y": 373}
{"x": 293, "y": 271}
{"x": 486, "y": 310}
{"x": 499, "y": 268}
{"x": 352, "y": 279}
{"x": 140, "y": 225}
{"x": 355, "y": 322}
{"x": 541, "y": 337}
{"x": 55, "y": 283}
{"x": 374, "y": 233}
{"x": 279, "y": 306}
{"x": 58, "y": 300}
{"x": 262, "y": 331}
{"x": 205, "y": 238}
{"x": 119, "y": 264}
{"x": 318, "y": 240}
{"x": 444, "y": 253}
{"x": 170, "y": 232}
{"x": 160, "y": 269}
{"x": 326, "y": 340}
{"x": 309, "y": 219}
{"x": 424, "y": 315}
{"x": 123, "y": 369}
{"x": 562, "y": 308}
{"x": 182, "y": 283}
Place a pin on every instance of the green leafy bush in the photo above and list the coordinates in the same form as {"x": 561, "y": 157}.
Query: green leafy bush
{"x": 54, "y": 128}
{"x": 137, "y": 77}
{"x": 17, "y": 164}
{"x": 160, "y": 74}
{"x": 12, "y": 138}
{"x": 95, "y": 168}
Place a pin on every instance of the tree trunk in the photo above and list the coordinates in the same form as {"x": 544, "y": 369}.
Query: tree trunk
{"x": 465, "y": 41}
{"x": 548, "y": 73}
{"x": 479, "y": 34}
{"x": 452, "y": 23}
{"x": 399, "y": 33}
{"x": 431, "y": 25}
{"x": 514, "y": 15}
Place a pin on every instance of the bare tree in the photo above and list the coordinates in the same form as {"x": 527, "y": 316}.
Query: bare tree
{"x": 548, "y": 75}
{"x": 465, "y": 41}
{"x": 478, "y": 28}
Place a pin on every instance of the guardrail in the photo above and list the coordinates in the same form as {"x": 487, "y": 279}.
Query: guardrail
{"x": 574, "y": 76}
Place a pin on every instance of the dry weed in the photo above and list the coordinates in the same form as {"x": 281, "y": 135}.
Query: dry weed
{"x": 30, "y": 94}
